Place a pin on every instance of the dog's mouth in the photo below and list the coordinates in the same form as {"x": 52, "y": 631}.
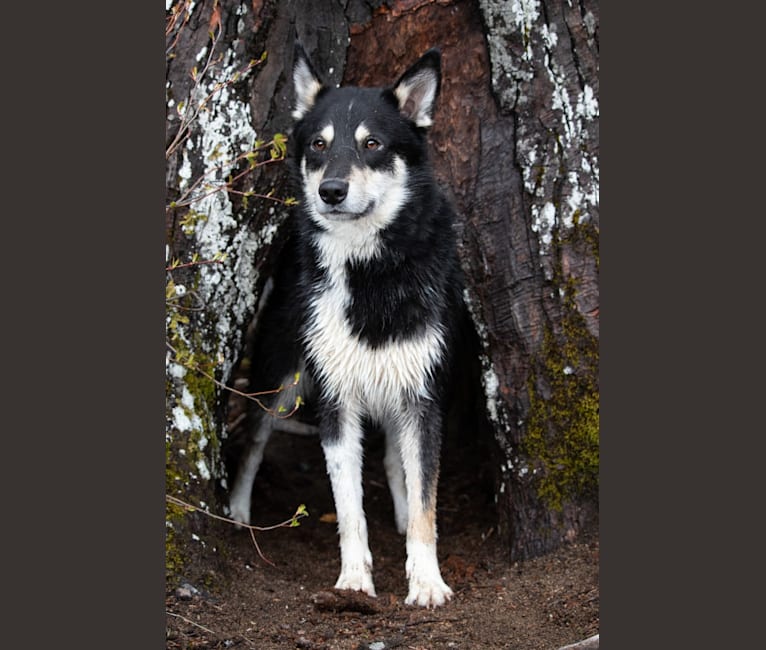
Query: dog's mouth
{"x": 337, "y": 213}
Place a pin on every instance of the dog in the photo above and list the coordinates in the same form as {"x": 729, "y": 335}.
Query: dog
{"x": 366, "y": 294}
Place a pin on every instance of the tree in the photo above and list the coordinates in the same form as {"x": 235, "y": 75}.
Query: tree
{"x": 515, "y": 140}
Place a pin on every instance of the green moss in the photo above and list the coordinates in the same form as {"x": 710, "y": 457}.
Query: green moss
{"x": 584, "y": 235}
{"x": 562, "y": 432}
{"x": 184, "y": 450}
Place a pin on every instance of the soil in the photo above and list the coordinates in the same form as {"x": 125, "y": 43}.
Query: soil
{"x": 282, "y": 597}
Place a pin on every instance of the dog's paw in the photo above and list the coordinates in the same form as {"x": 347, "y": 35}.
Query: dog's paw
{"x": 432, "y": 593}
{"x": 360, "y": 580}
{"x": 239, "y": 510}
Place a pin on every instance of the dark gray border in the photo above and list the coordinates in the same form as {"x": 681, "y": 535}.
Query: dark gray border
{"x": 83, "y": 309}
{"x": 681, "y": 274}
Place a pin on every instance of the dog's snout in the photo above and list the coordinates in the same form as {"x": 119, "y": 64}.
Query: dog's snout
{"x": 333, "y": 190}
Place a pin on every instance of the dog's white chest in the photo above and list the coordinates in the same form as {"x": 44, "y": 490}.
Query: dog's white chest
{"x": 378, "y": 378}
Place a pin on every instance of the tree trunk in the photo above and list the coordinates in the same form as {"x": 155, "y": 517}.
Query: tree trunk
{"x": 515, "y": 141}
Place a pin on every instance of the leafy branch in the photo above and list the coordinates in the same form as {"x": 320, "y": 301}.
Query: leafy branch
{"x": 277, "y": 148}
{"x": 281, "y": 413}
{"x": 292, "y": 522}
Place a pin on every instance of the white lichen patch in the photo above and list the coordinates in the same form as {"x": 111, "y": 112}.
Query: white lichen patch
{"x": 489, "y": 379}
{"x": 185, "y": 421}
{"x": 491, "y": 384}
{"x": 220, "y": 134}
{"x": 187, "y": 399}
{"x": 204, "y": 472}
{"x": 543, "y": 221}
{"x": 587, "y": 104}
{"x": 176, "y": 370}
{"x": 559, "y": 165}
{"x": 508, "y": 73}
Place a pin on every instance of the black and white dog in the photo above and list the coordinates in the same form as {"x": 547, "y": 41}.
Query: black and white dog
{"x": 367, "y": 296}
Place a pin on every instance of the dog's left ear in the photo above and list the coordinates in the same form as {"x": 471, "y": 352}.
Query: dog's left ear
{"x": 418, "y": 88}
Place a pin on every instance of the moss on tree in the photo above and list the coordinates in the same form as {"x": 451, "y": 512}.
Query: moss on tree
{"x": 562, "y": 437}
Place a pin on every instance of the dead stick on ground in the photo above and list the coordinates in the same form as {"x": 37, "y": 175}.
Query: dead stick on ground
{"x": 190, "y": 622}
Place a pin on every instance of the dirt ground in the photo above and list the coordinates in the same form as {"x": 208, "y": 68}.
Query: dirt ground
{"x": 232, "y": 598}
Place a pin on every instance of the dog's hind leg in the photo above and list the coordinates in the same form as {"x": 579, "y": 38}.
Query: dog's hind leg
{"x": 341, "y": 432}
{"x": 239, "y": 500}
{"x": 392, "y": 461}
{"x": 420, "y": 444}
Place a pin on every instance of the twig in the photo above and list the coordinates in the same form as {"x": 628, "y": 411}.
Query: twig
{"x": 293, "y": 521}
{"x": 190, "y": 622}
{"x": 195, "y": 263}
{"x": 251, "y": 396}
{"x": 258, "y": 548}
{"x": 299, "y": 513}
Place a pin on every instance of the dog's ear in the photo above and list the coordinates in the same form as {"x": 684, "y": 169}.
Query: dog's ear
{"x": 418, "y": 87}
{"x": 306, "y": 82}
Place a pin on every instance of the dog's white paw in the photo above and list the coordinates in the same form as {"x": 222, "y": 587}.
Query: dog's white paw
{"x": 239, "y": 510}
{"x": 432, "y": 593}
{"x": 358, "y": 580}
{"x": 427, "y": 588}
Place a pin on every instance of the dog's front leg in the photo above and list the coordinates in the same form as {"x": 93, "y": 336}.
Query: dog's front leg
{"x": 420, "y": 444}
{"x": 342, "y": 445}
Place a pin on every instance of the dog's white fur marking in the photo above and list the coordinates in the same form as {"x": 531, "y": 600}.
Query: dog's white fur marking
{"x": 380, "y": 378}
{"x": 328, "y": 133}
{"x": 361, "y": 134}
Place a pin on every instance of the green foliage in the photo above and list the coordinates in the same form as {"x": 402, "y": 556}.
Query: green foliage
{"x": 562, "y": 436}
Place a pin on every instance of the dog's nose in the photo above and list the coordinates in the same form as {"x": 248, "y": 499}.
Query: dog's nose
{"x": 333, "y": 190}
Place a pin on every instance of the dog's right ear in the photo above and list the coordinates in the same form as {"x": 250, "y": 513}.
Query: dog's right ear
{"x": 306, "y": 82}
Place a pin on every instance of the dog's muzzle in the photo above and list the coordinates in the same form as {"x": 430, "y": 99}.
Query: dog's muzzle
{"x": 335, "y": 206}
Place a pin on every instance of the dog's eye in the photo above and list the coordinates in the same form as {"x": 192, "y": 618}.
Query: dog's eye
{"x": 318, "y": 144}
{"x": 371, "y": 144}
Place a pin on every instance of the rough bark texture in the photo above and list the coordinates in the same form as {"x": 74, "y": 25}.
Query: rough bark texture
{"x": 515, "y": 141}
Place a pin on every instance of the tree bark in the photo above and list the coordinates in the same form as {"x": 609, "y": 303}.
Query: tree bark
{"x": 515, "y": 142}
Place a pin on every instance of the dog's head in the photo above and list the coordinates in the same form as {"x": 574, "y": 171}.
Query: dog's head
{"x": 357, "y": 148}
